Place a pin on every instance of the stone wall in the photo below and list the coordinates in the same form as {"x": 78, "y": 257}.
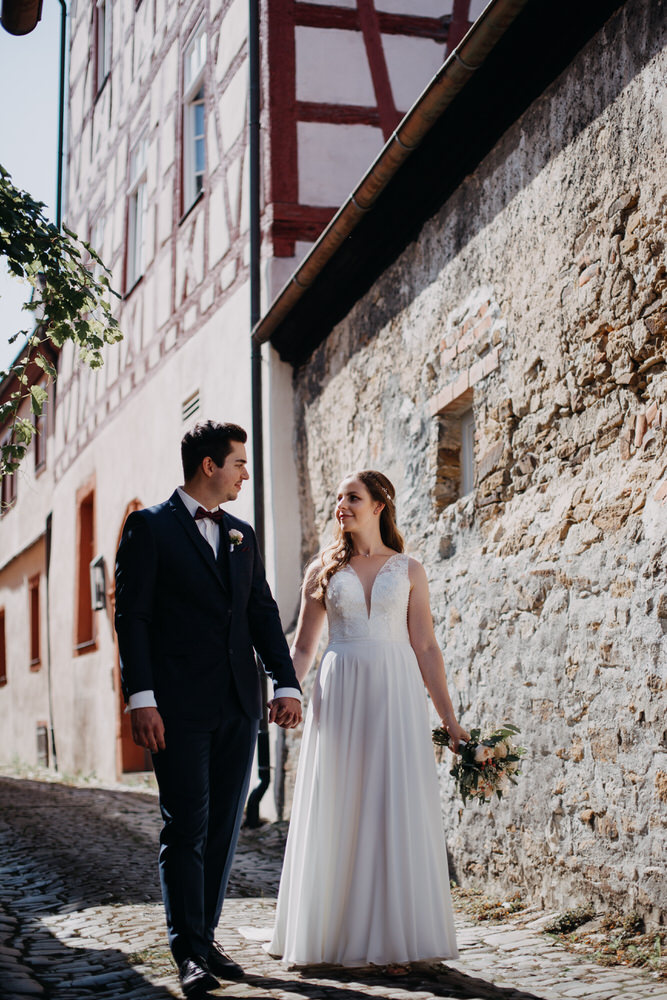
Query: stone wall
{"x": 537, "y": 294}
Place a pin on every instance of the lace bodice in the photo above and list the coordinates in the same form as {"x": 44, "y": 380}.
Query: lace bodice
{"x": 346, "y": 604}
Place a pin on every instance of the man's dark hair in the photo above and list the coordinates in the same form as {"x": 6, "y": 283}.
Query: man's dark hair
{"x": 208, "y": 439}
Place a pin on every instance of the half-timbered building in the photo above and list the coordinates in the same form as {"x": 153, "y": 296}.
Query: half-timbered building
{"x": 159, "y": 180}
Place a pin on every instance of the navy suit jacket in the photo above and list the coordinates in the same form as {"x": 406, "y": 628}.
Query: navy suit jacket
{"x": 186, "y": 619}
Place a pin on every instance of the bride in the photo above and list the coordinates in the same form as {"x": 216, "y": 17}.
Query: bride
{"x": 365, "y": 877}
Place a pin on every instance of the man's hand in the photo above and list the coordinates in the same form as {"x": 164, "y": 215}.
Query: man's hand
{"x": 148, "y": 729}
{"x": 286, "y": 712}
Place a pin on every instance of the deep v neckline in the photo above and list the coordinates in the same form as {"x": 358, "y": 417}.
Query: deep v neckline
{"x": 369, "y": 604}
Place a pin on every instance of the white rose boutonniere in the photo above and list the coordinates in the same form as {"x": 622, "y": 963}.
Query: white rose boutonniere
{"x": 235, "y": 538}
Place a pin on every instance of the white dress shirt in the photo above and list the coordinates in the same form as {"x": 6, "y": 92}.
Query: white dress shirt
{"x": 209, "y": 530}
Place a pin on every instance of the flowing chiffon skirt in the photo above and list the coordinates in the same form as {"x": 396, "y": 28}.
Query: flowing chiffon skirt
{"x": 365, "y": 879}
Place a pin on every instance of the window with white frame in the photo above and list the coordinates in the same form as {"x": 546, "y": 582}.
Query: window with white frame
{"x": 137, "y": 213}
{"x": 103, "y": 41}
{"x": 194, "y": 117}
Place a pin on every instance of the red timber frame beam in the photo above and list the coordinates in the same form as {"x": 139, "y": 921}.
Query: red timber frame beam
{"x": 370, "y": 28}
{"x": 284, "y": 170}
{"x": 312, "y": 15}
{"x": 292, "y": 221}
{"x": 459, "y": 25}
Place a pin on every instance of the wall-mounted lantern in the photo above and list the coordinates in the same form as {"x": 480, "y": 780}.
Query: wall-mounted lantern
{"x": 20, "y": 17}
{"x": 98, "y": 584}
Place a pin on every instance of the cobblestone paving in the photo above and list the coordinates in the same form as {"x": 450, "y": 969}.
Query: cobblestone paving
{"x": 81, "y": 917}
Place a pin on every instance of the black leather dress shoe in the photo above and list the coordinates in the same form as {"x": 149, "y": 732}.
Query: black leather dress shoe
{"x": 196, "y": 980}
{"x": 222, "y": 964}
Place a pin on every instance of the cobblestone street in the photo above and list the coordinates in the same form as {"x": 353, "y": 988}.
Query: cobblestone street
{"x": 81, "y": 916}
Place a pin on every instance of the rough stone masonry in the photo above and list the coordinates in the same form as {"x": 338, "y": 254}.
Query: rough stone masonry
{"x": 537, "y": 297}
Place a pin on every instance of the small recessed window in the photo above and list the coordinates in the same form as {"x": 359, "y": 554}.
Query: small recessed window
{"x": 467, "y": 452}
{"x": 33, "y": 600}
{"x": 455, "y": 475}
{"x": 3, "y": 649}
{"x": 194, "y": 117}
{"x": 41, "y": 424}
{"x": 84, "y": 641}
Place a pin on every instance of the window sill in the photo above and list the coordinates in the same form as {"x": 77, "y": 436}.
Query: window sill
{"x": 35, "y": 665}
{"x": 100, "y": 89}
{"x": 85, "y": 647}
{"x": 132, "y": 287}
{"x": 192, "y": 206}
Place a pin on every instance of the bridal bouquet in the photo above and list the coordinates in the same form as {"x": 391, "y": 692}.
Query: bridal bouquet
{"x": 486, "y": 764}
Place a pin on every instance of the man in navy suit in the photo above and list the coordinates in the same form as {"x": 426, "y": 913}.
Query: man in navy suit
{"x": 192, "y": 602}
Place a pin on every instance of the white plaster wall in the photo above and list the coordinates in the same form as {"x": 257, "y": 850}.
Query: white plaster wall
{"x": 411, "y": 62}
{"x": 333, "y": 159}
{"x": 134, "y": 456}
{"x": 233, "y": 34}
{"x": 332, "y": 66}
{"x": 476, "y": 8}
{"x": 283, "y": 528}
{"x": 24, "y": 698}
{"x": 332, "y": 3}
{"x": 423, "y": 8}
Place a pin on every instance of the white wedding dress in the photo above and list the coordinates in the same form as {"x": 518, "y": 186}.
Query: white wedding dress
{"x": 365, "y": 878}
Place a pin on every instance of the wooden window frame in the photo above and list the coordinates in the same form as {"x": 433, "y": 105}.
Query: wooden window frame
{"x": 34, "y": 612}
{"x": 3, "y": 649}
{"x": 85, "y": 634}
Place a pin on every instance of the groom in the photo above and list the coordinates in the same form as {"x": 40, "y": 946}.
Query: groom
{"x": 191, "y": 603}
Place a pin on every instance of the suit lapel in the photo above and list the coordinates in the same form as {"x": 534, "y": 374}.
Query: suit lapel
{"x": 225, "y": 554}
{"x": 188, "y": 523}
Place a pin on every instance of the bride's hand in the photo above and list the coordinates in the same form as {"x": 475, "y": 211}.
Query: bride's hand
{"x": 457, "y": 735}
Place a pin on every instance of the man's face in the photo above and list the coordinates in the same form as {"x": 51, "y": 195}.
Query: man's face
{"x": 228, "y": 479}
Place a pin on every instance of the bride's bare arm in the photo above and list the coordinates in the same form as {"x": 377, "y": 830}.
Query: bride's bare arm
{"x": 312, "y": 615}
{"x": 427, "y": 651}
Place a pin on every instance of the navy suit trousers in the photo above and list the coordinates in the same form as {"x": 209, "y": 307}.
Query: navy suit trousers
{"x": 203, "y": 777}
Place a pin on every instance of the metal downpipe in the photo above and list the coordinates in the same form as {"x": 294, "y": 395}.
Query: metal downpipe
{"x": 263, "y": 747}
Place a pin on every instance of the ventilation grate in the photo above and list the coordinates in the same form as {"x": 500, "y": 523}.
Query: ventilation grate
{"x": 190, "y": 405}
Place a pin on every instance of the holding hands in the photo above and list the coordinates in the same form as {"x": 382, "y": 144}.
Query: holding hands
{"x": 285, "y": 712}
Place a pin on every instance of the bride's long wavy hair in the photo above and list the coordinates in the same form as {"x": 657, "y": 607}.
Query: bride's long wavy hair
{"x": 338, "y": 553}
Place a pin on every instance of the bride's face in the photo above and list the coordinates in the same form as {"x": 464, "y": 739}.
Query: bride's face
{"x": 355, "y": 507}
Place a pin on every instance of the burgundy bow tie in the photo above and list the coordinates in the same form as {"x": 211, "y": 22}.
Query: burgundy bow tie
{"x": 215, "y": 515}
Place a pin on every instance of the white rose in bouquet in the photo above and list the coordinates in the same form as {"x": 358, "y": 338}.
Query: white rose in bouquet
{"x": 483, "y": 753}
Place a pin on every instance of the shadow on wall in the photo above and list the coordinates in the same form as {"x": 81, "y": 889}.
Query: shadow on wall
{"x": 521, "y": 111}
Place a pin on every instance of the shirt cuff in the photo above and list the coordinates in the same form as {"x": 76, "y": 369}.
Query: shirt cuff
{"x": 141, "y": 699}
{"x": 288, "y": 693}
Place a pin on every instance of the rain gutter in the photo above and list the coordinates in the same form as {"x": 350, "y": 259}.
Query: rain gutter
{"x": 455, "y": 72}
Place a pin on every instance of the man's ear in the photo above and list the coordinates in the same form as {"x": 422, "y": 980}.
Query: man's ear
{"x": 208, "y": 466}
